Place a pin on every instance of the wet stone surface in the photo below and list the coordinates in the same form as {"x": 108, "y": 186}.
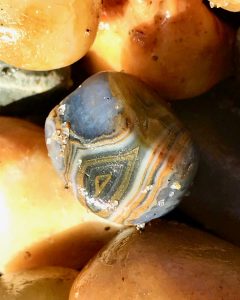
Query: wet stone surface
{"x": 26, "y": 91}
{"x": 117, "y": 145}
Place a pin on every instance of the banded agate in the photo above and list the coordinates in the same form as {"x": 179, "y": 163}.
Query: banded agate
{"x": 118, "y": 146}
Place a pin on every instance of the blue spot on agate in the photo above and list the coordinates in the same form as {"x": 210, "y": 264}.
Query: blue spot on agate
{"x": 91, "y": 109}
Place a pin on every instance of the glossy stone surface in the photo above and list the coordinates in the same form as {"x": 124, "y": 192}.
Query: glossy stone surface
{"x": 179, "y": 47}
{"x": 231, "y": 5}
{"x": 44, "y": 35}
{"x": 49, "y": 283}
{"x": 41, "y": 223}
{"x": 168, "y": 261}
{"x": 117, "y": 145}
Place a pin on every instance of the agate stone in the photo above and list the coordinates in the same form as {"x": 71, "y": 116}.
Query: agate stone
{"x": 121, "y": 150}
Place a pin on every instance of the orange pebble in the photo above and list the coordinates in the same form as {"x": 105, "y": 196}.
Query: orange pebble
{"x": 231, "y": 5}
{"x": 179, "y": 47}
{"x": 44, "y": 35}
{"x": 41, "y": 223}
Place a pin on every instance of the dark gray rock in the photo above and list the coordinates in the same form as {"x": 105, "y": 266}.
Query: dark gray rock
{"x": 214, "y": 122}
{"x": 238, "y": 54}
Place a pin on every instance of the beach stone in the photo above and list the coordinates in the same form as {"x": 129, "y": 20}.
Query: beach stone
{"x": 17, "y": 84}
{"x": 214, "y": 122}
{"x": 120, "y": 149}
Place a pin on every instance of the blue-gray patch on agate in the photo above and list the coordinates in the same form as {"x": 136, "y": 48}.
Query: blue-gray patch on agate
{"x": 91, "y": 109}
{"x": 54, "y": 147}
